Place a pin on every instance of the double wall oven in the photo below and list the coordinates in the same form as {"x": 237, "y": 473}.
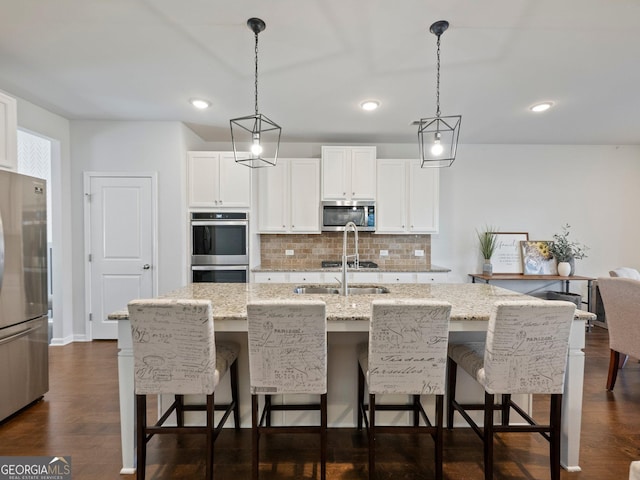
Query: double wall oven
{"x": 219, "y": 247}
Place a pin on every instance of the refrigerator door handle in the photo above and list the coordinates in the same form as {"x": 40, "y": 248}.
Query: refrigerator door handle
{"x": 1, "y": 252}
{"x": 17, "y": 335}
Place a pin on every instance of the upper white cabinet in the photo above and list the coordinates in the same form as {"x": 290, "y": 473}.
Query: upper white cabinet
{"x": 348, "y": 173}
{"x": 407, "y": 197}
{"x": 8, "y": 133}
{"x": 216, "y": 180}
{"x": 289, "y": 196}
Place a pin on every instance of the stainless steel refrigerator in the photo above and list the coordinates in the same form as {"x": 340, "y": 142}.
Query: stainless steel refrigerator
{"x": 24, "y": 354}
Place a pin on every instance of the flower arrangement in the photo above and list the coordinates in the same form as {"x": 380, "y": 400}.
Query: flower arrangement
{"x": 487, "y": 240}
{"x": 564, "y": 250}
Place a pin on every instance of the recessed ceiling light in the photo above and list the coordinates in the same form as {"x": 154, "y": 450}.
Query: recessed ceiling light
{"x": 199, "y": 103}
{"x": 370, "y": 105}
{"x": 541, "y": 107}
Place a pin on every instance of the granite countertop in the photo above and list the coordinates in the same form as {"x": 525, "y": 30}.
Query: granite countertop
{"x": 416, "y": 269}
{"x": 470, "y": 301}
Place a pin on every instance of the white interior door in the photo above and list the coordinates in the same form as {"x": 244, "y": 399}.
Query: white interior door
{"x": 121, "y": 229}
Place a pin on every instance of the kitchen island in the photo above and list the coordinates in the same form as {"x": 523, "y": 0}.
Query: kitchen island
{"x": 348, "y": 324}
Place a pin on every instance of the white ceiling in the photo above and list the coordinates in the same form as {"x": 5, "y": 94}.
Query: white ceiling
{"x": 144, "y": 59}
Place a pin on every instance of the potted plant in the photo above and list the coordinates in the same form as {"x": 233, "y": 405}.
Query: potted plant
{"x": 566, "y": 251}
{"x": 487, "y": 240}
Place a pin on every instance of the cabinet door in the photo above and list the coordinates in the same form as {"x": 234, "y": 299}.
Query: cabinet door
{"x": 335, "y": 161}
{"x": 391, "y": 196}
{"x": 203, "y": 179}
{"x": 270, "y": 277}
{"x": 424, "y": 198}
{"x": 272, "y": 199}
{"x": 304, "y": 200}
{"x": 397, "y": 277}
{"x": 235, "y": 182}
{"x": 363, "y": 173}
{"x": 8, "y": 133}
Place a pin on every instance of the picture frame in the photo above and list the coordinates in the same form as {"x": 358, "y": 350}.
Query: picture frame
{"x": 507, "y": 257}
{"x": 537, "y": 258}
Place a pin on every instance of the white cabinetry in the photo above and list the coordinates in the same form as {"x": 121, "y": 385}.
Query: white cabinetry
{"x": 407, "y": 197}
{"x": 271, "y": 277}
{"x": 8, "y": 133}
{"x": 289, "y": 196}
{"x": 348, "y": 173}
{"x": 216, "y": 180}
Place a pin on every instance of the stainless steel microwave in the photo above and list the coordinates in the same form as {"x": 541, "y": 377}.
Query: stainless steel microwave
{"x": 336, "y": 214}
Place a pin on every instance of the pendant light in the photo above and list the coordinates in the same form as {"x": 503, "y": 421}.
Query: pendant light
{"x": 438, "y": 136}
{"x": 255, "y": 134}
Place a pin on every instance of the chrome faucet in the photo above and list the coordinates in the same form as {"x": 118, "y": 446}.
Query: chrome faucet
{"x": 356, "y": 256}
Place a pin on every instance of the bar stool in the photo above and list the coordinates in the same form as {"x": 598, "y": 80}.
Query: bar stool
{"x": 175, "y": 352}
{"x": 406, "y": 354}
{"x": 525, "y": 353}
{"x": 287, "y": 355}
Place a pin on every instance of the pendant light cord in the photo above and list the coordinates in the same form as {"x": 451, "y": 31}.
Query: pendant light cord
{"x": 256, "y": 74}
{"x": 437, "y": 80}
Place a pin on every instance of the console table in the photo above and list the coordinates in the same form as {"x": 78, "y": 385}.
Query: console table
{"x": 545, "y": 278}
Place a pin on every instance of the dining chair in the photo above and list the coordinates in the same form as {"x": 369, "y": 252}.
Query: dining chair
{"x": 287, "y": 356}
{"x": 621, "y": 301}
{"x": 406, "y": 354}
{"x": 175, "y": 353}
{"x": 525, "y": 352}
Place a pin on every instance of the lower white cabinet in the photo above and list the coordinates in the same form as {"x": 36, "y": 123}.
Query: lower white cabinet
{"x": 432, "y": 277}
{"x": 307, "y": 277}
{"x": 289, "y": 196}
{"x": 397, "y": 277}
{"x": 360, "y": 277}
{"x": 271, "y": 277}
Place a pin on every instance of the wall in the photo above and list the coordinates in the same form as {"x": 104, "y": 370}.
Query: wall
{"x": 111, "y": 146}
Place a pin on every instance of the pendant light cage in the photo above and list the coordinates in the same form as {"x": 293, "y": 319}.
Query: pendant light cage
{"x": 255, "y": 138}
{"x": 443, "y": 131}
{"x": 438, "y": 136}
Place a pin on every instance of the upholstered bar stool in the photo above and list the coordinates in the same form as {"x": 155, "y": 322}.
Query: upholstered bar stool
{"x": 175, "y": 353}
{"x": 287, "y": 355}
{"x": 406, "y": 354}
{"x": 525, "y": 353}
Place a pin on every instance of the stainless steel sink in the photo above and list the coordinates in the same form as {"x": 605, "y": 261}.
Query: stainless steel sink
{"x": 334, "y": 291}
{"x": 317, "y": 290}
{"x": 367, "y": 290}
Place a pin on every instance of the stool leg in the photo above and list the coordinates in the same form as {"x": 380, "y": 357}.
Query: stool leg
{"x": 360, "y": 396}
{"x": 416, "y": 410}
{"x": 372, "y": 436}
{"x": 255, "y": 438}
{"x": 555, "y": 420}
{"x": 209, "y": 435}
{"x": 488, "y": 436}
{"x": 506, "y": 408}
{"x": 439, "y": 438}
{"x": 141, "y": 440}
{"x": 179, "y": 410}
{"x": 323, "y": 436}
{"x": 452, "y": 370}
{"x": 233, "y": 371}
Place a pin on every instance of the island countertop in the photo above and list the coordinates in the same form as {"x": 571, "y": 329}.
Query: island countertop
{"x": 470, "y": 301}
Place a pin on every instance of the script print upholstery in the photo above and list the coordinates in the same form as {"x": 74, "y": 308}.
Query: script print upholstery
{"x": 407, "y": 350}
{"x": 287, "y": 347}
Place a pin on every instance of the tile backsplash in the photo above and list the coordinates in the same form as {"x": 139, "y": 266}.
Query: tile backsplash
{"x": 310, "y": 250}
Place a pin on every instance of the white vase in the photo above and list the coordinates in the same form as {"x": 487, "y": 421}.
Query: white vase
{"x": 564, "y": 269}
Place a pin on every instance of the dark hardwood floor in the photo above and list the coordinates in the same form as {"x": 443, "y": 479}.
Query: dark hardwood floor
{"x": 79, "y": 417}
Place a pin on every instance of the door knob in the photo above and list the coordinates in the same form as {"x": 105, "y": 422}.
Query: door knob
{"x": 146, "y": 266}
